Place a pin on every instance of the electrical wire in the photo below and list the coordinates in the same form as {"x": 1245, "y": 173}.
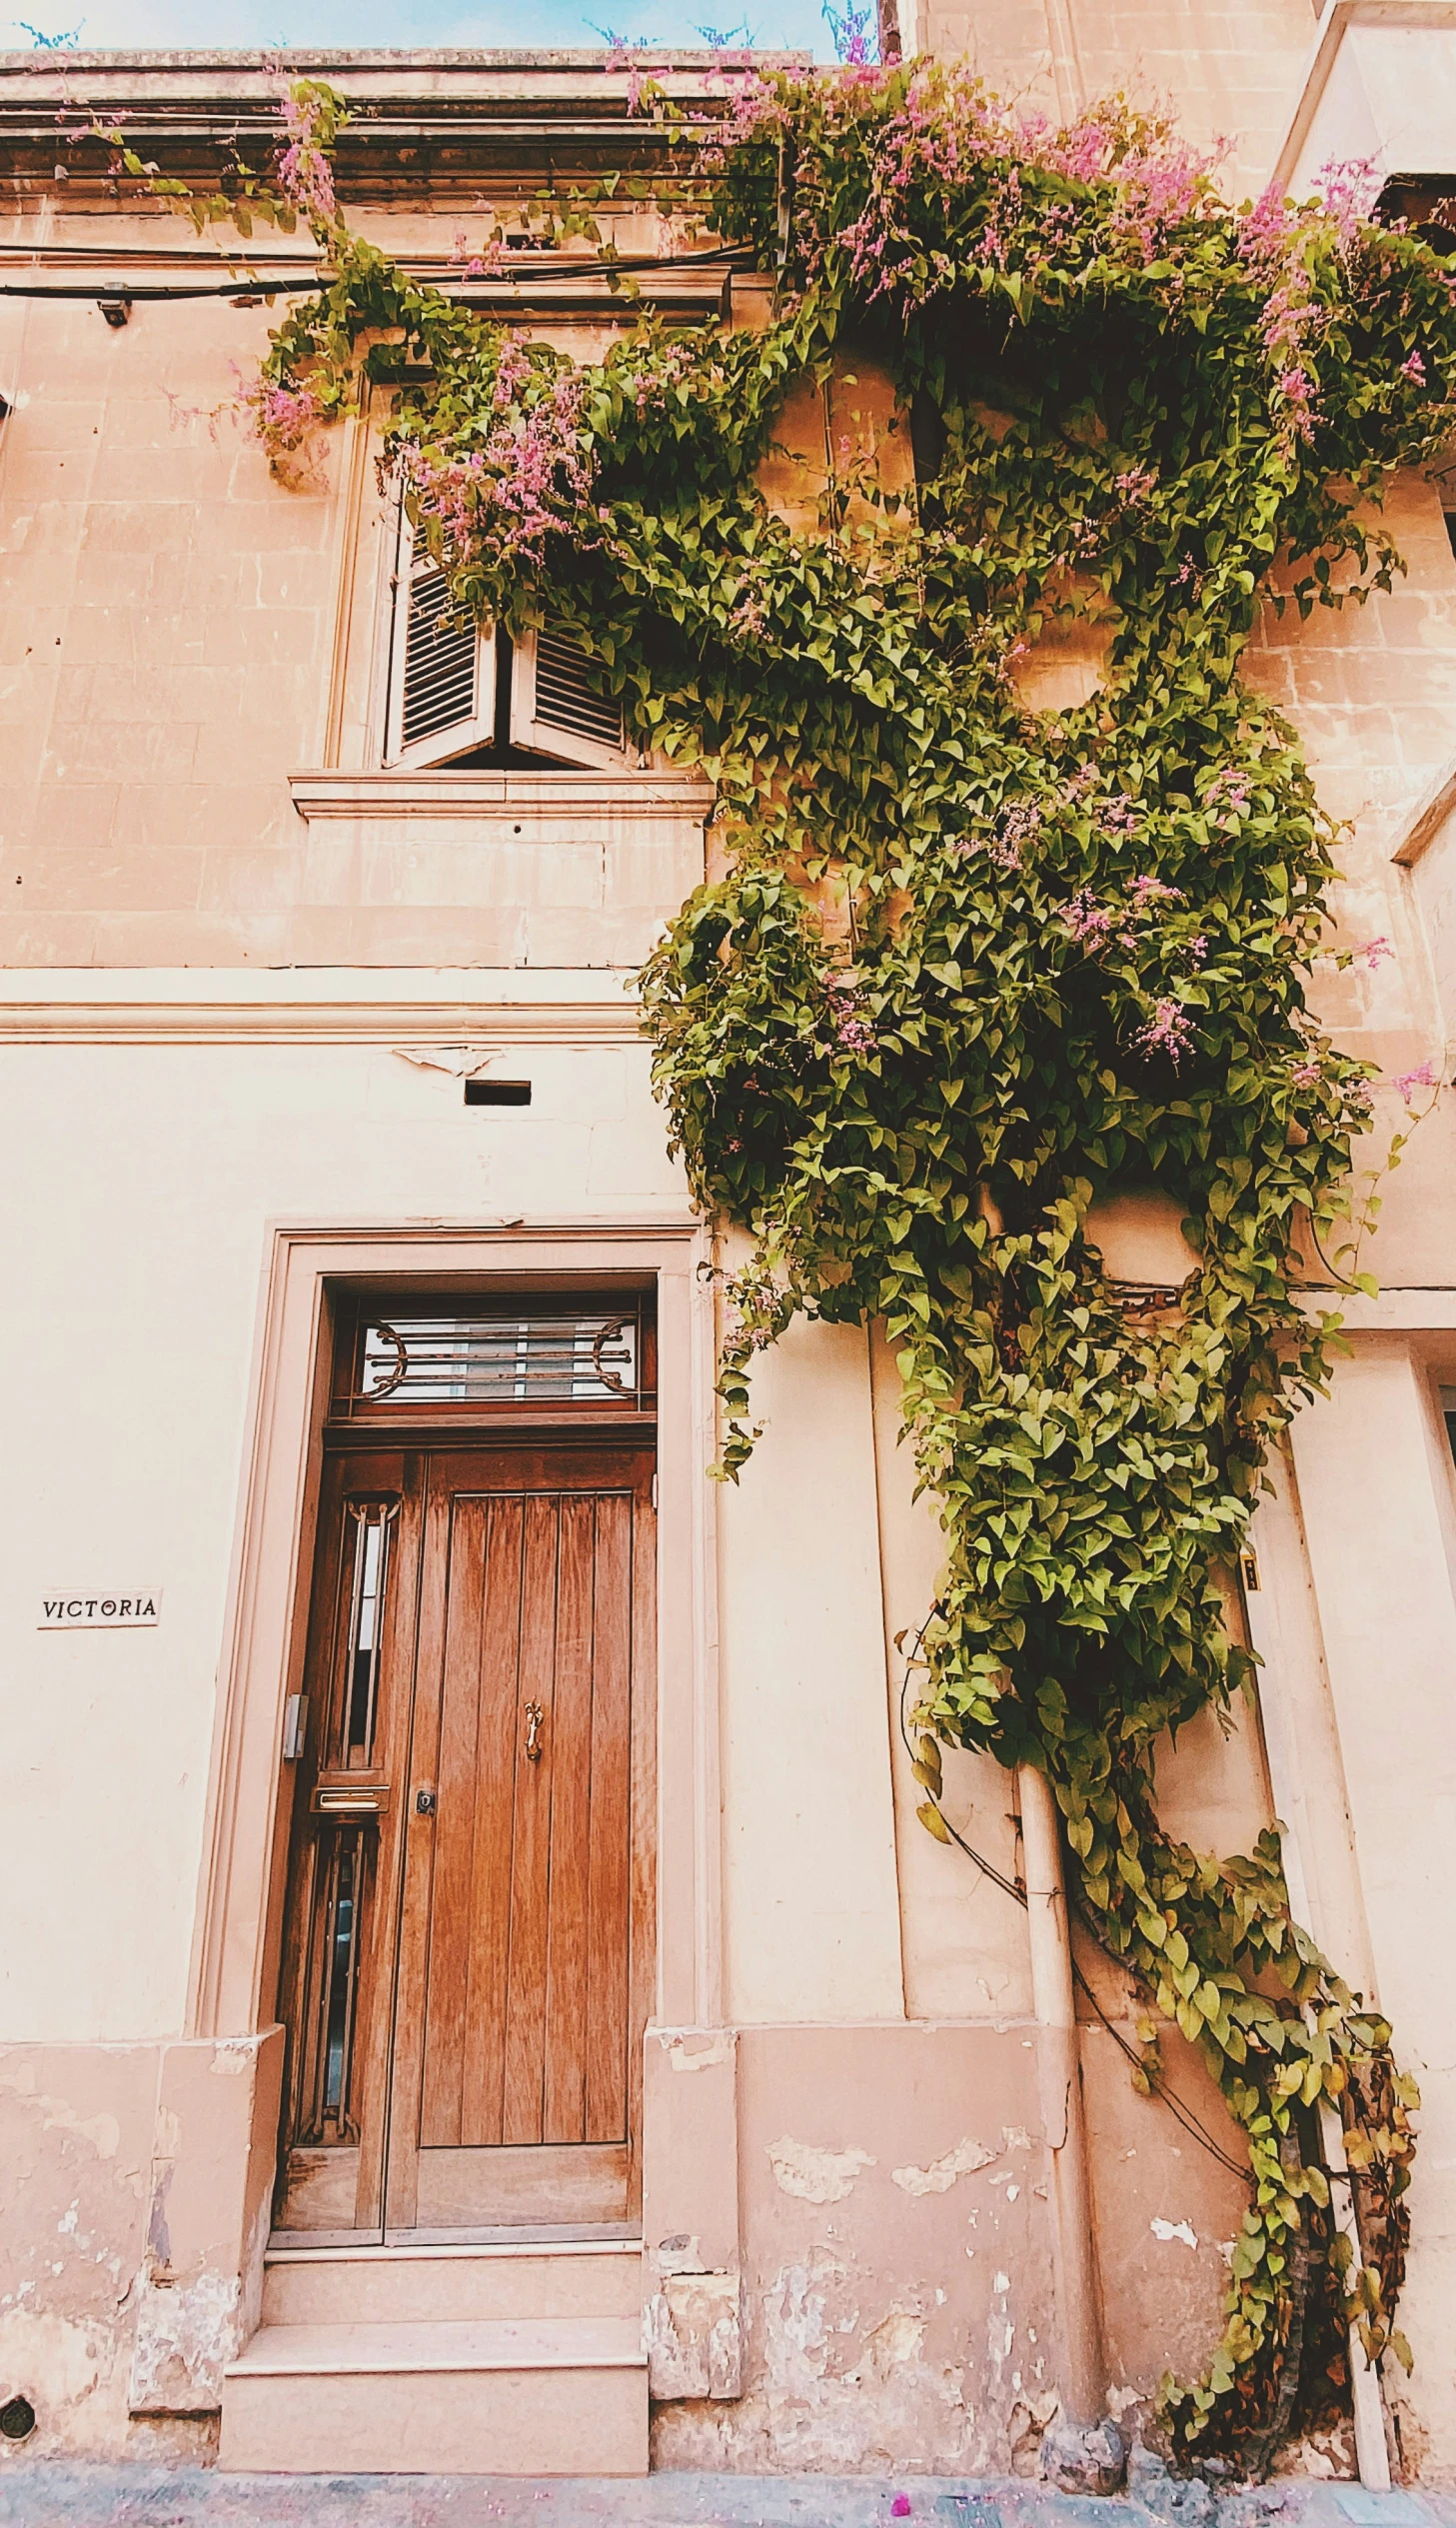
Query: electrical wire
{"x": 248, "y": 286}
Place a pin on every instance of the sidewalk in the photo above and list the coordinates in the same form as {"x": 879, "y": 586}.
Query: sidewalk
{"x": 41, "y": 2495}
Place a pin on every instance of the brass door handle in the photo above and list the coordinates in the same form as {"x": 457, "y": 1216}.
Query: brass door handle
{"x": 534, "y": 1724}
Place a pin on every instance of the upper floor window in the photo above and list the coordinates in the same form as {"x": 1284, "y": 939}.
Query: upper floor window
{"x": 467, "y": 695}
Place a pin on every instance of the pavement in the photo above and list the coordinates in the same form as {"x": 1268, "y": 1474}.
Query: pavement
{"x": 48, "y": 2494}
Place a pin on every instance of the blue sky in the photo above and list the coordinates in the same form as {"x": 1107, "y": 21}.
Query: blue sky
{"x": 549, "y": 23}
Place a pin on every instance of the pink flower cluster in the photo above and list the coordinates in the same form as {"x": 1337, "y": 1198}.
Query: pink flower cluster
{"x": 1136, "y": 487}
{"x": 1093, "y": 923}
{"x": 1424, "y": 1076}
{"x": 1090, "y": 924}
{"x": 1018, "y": 828}
{"x": 1263, "y": 233}
{"x": 1348, "y": 189}
{"x": 649, "y": 388}
{"x": 1169, "y": 1030}
{"x": 1272, "y": 240}
{"x": 1159, "y": 189}
{"x": 477, "y": 263}
{"x": 746, "y": 618}
{"x": 622, "y": 54}
{"x": 279, "y": 418}
{"x": 529, "y": 478}
{"x": 1229, "y": 794}
{"x": 305, "y": 174}
{"x": 949, "y": 127}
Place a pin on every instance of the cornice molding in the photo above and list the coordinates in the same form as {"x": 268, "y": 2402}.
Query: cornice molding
{"x": 404, "y": 1026}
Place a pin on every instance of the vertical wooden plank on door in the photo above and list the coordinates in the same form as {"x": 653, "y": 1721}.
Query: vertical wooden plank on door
{"x": 531, "y": 1872}
{"x": 418, "y": 1840}
{"x": 456, "y": 1778}
{"x": 482, "y": 2097}
{"x": 606, "y": 1841}
{"x": 572, "y": 1788}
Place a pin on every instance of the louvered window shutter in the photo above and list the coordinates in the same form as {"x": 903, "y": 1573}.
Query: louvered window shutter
{"x": 555, "y": 708}
{"x": 442, "y": 680}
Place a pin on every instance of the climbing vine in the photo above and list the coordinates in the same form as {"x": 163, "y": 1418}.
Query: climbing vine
{"x": 971, "y": 963}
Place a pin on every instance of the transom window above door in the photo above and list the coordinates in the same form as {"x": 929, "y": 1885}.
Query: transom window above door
{"x": 532, "y": 1353}
{"x": 466, "y": 693}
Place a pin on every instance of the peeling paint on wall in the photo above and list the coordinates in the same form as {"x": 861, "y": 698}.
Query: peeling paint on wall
{"x": 186, "y": 2334}
{"x": 816, "y": 2176}
{"x": 941, "y": 2174}
{"x": 692, "y": 2337}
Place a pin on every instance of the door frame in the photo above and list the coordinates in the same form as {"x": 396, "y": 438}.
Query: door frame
{"x": 236, "y": 1948}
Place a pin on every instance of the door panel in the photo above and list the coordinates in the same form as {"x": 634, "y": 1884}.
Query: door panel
{"x": 469, "y": 1926}
{"x": 517, "y": 2022}
{"x": 473, "y": 2189}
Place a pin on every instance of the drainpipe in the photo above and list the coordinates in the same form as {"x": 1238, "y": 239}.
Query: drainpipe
{"x": 1083, "y": 2381}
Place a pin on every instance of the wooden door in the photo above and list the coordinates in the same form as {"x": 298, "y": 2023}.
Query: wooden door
{"x": 471, "y": 1895}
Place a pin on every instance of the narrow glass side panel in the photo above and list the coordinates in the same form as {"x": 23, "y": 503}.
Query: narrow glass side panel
{"x": 365, "y": 1564}
{"x": 336, "y": 1933}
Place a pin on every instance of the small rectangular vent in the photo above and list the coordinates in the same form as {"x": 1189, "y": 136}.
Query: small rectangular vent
{"x": 498, "y": 1092}
{"x": 566, "y": 698}
{"x": 441, "y": 654}
{"x": 504, "y": 1359}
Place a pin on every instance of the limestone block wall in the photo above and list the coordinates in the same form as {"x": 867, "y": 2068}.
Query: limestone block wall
{"x": 1230, "y": 74}
{"x": 1371, "y": 691}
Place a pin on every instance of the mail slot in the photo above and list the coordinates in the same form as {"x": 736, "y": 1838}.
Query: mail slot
{"x": 350, "y": 1799}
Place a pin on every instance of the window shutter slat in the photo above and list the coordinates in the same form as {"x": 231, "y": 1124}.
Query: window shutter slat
{"x": 566, "y": 699}
{"x": 442, "y": 664}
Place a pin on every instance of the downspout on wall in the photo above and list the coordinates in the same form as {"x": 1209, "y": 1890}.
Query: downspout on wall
{"x": 1085, "y": 2454}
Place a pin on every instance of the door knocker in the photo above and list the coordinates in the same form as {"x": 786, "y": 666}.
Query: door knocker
{"x": 535, "y": 1722}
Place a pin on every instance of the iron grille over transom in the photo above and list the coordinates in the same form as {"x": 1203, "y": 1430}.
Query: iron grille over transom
{"x": 500, "y": 1358}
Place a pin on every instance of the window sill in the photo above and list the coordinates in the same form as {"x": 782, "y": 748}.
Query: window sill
{"x": 446, "y": 794}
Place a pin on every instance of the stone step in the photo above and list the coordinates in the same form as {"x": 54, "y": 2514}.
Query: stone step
{"x": 513, "y": 2396}
{"x": 341, "y": 2287}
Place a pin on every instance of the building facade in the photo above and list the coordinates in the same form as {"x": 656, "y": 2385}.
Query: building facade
{"x": 477, "y": 1993}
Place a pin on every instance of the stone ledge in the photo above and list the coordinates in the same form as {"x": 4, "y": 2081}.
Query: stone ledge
{"x": 484, "y": 794}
